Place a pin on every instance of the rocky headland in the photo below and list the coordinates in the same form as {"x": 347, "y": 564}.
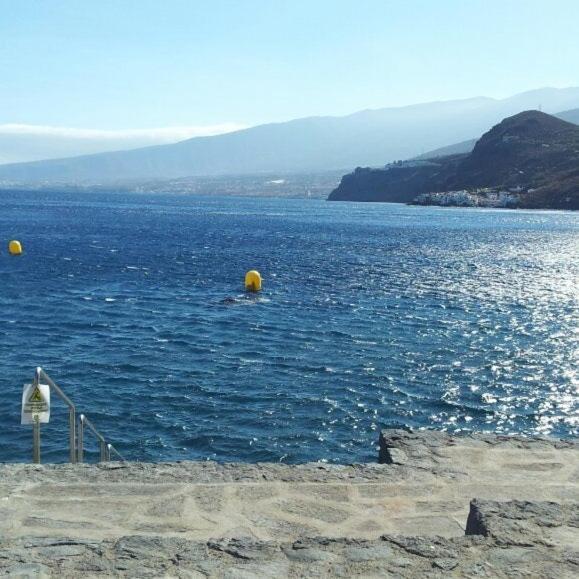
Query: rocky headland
{"x": 529, "y": 160}
{"x": 434, "y": 506}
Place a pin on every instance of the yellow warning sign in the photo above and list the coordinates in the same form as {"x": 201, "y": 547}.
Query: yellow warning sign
{"x": 35, "y": 403}
{"x": 36, "y": 396}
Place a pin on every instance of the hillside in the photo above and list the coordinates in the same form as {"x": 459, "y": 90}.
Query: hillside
{"x": 571, "y": 116}
{"x": 370, "y": 137}
{"x": 467, "y": 146}
{"x": 455, "y": 149}
{"x": 532, "y": 153}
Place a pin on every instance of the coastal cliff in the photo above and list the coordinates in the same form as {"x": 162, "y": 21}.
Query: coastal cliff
{"x": 532, "y": 156}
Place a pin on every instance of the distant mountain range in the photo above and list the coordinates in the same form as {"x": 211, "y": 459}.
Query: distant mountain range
{"x": 20, "y": 143}
{"x": 533, "y": 155}
{"x": 370, "y": 138}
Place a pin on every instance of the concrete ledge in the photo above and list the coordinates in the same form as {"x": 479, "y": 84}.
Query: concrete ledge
{"x": 525, "y": 523}
{"x": 521, "y": 551}
{"x": 429, "y": 448}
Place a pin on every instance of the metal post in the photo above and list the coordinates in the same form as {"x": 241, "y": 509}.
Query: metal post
{"x": 103, "y": 446}
{"x": 36, "y": 427}
{"x": 80, "y": 439}
{"x": 72, "y": 434}
{"x": 40, "y": 374}
{"x": 36, "y": 440}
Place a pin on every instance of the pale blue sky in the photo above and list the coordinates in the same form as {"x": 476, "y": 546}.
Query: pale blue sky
{"x": 120, "y": 64}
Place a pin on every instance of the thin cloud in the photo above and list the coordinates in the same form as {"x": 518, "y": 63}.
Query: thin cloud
{"x": 161, "y": 135}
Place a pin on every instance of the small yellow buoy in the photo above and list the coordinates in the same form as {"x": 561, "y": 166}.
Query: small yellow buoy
{"x": 15, "y": 247}
{"x": 253, "y": 281}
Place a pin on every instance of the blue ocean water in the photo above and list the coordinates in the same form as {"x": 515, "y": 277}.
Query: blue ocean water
{"x": 372, "y": 315}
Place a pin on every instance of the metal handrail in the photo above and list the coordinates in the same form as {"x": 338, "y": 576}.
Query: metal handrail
{"x": 76, "y": 436}
{"x": 113, "y": 450}
{"x": 39, "y": 375}
{"x": 106, "y": 449}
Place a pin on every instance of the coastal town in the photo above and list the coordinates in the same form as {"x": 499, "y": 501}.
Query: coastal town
{"x": 486, "y": 197}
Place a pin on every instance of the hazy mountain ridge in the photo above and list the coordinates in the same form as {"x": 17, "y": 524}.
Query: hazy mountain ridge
{"x": 456, "y": 149}
{"x": 21, "y": 143}
{"x": 371, "y": 137}
{"x": 571, "y": 116}
{"x": 531, "y": 153}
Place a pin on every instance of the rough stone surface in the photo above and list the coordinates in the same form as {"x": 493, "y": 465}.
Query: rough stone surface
{"x": 525, "y": 523}
{"x": 406, "y": 518}
{"x": 516, "y": 552}
{"x": 424, "y": 490}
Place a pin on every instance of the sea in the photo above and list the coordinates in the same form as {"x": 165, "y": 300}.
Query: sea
{"x": 371, "y": 316}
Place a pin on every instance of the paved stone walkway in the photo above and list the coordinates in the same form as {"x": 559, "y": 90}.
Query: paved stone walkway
{"x": 406, "y": 517}
{"x": 425, "y": 490}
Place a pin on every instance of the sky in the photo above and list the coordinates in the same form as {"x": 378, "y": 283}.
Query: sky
{"x": 206, "y": 66}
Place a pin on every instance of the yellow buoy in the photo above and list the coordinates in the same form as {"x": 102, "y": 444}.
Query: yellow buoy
{"x": 15, "y": 247}
{"x": 253, "y": 281}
